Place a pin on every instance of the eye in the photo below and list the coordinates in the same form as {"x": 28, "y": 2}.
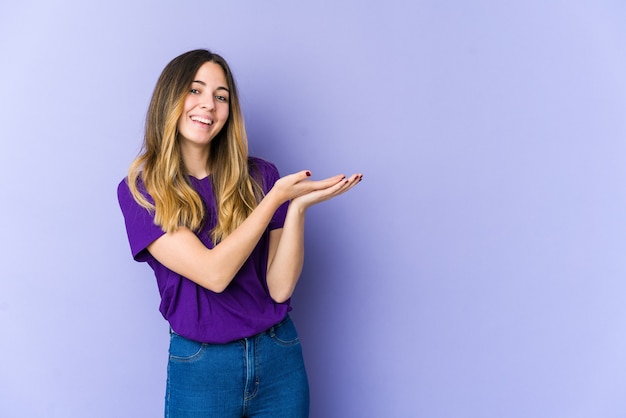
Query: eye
{"x": 194, "y": 91}
{"x": 222, "y": 98}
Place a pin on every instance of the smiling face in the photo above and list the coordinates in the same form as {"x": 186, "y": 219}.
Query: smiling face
{"x": 206, "y": 108}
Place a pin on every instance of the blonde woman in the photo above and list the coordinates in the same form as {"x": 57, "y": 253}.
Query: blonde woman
{"x": 225, "y": 238}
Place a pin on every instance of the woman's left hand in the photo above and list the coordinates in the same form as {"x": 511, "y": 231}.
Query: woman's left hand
{"x": 307, "y": 200}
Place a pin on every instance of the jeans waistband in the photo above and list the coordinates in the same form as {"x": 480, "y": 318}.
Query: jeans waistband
{"x": 269, "y": 331}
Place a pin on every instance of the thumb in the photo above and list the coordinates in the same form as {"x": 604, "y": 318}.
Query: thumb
{"x": 302, "y": 175}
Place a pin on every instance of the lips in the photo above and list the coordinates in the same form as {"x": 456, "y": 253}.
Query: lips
{"x": 201, "y": 119}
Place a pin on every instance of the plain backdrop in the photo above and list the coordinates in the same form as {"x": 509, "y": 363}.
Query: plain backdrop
{"x": 477, "y": 271}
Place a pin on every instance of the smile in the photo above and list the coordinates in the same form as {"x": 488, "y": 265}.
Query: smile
{"x": 203, "y": 120}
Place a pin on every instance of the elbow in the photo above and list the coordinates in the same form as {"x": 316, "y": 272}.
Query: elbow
{"x": 281, "y": 296}
{"x": 281, "y": 285}
{"x": 280, "y": 300}
{"x": 214, "y": 283}
{"x": 217, "y": 288}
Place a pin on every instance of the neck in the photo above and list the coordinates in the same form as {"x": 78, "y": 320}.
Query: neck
{"x": 196, "y": 161}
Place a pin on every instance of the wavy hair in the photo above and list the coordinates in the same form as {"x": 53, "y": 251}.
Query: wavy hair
{"x": 161, "y": 168}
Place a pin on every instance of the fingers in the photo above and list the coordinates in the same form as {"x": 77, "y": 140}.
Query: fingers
{"x": 337, "y": 184}
{"x": 325, "y": 183}
{"x": 300, "y": 183}
{"x": 320, "y": 195}
{"x": 348, "y": 183}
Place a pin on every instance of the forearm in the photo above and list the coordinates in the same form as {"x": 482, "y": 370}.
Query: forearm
{"x": 226, "y": 258}
{"x": 285, "y": 267}
{"x": 214, "y": 268}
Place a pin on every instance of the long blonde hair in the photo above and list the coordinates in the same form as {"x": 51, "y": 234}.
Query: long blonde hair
{"x": 160, "y": 165}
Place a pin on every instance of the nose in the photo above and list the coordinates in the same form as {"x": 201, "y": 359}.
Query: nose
{"x": 208, "y": 104}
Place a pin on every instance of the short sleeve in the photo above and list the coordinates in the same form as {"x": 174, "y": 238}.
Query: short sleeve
{"x": 270, "y": 175}
{"x": 140, "y": 226}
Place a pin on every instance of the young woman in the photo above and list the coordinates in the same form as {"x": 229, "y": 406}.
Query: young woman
{"x": 225, "y": 238}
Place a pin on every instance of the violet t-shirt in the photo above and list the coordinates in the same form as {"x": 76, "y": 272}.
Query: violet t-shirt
{"x": 245, "y": 307}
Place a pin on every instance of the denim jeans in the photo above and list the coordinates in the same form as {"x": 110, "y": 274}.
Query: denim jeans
{"x": 260, "y": 376}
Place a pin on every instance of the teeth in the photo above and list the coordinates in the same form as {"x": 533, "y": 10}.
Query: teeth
{"x": 203, "y": 120}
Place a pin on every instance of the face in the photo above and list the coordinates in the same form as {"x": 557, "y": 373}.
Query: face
{"x": 205, "y": 111}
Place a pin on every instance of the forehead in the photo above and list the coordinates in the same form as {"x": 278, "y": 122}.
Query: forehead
{"x": 212, "y": 74}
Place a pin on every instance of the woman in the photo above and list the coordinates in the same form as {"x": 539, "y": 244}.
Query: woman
{"x": 225, "y": 238}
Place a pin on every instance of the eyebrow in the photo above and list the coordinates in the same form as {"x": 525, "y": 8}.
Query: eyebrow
{"x": 204, "y": 84}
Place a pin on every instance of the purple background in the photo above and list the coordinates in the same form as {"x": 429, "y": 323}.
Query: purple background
{"x": 478, "y": 270}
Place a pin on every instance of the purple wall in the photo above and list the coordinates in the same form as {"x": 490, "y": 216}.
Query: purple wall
{"x": 478, "y": 270}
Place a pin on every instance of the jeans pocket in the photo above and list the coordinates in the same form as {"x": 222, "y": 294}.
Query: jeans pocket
{"x": 183, "y": 349}
{"x": 285, "y": 334}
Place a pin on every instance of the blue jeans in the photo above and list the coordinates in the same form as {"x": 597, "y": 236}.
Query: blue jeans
{"x": 260, "y": 376}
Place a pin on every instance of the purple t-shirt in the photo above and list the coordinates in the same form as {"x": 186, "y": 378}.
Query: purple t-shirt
{"x": 245, "y": 307}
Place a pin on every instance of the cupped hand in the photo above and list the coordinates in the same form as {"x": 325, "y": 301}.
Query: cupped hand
{"x": 300, "y": 183}
{"x": 319, "y": 195}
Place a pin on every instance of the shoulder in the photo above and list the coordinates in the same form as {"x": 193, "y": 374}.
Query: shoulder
{"x": 122, "y": 189}
{"x": 125, "y": 194}
{"x": 263, "y": 171}
{"x": 261, "y": 164}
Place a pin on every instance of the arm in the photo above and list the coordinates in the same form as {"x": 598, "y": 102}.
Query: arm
{"x": 286, "y": 254}
{"x": 182, "y": 252}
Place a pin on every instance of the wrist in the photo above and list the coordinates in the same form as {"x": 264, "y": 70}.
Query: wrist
{"x": 274, "y": 199}
{"x": 297, "y": 207}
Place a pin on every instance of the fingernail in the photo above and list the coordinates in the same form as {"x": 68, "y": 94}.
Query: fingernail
{"x": 308, "y": 173}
